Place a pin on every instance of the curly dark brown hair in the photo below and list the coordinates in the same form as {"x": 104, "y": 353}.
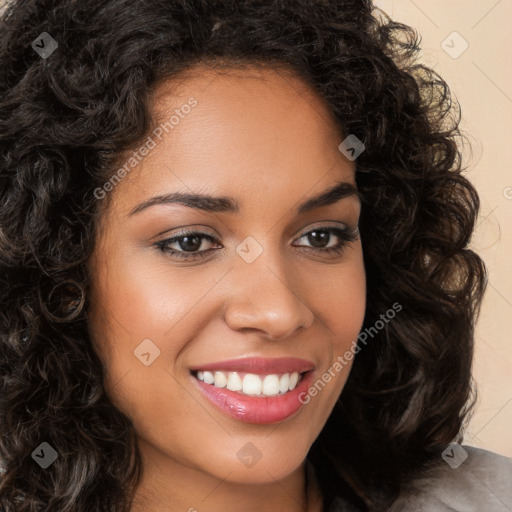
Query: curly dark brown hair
{"x": 66, "y": 118}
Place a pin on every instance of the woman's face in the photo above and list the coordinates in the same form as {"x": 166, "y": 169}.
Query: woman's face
{"x": 254, "y": 286}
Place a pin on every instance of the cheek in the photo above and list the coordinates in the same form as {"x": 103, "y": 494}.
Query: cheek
{"x": 143, "y": 318}
{"x": 134, "y": 301}
{"x": 341, "y": 301}
{"x": 341, "y": 308}
{"x": 142, "y": 326}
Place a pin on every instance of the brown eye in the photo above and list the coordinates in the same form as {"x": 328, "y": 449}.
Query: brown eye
{"x": 186, "y": 242}
{"x": 319, "y": 238}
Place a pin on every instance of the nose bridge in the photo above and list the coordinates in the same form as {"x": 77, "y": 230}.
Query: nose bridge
{"x": 263, "y": 296}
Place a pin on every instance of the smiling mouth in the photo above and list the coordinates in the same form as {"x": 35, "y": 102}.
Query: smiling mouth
{"x": 251, "y": 384}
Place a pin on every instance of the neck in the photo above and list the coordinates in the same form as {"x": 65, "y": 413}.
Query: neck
{"x": 193, "y": 491}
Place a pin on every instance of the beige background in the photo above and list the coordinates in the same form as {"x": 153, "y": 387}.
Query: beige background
{"x": 481, "y": 79}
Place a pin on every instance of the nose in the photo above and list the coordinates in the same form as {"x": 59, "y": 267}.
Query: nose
{"x": 263, "y": 298}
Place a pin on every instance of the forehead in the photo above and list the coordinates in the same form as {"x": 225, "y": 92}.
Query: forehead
{"x": 256, "y": 77}
{"x": 252, "y": 97}
{"x": 250, "y": 128}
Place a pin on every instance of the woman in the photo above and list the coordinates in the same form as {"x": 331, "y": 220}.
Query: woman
{"x": 234, "y": 263}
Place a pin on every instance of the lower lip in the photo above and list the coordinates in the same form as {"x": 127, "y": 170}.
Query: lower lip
{"x": 271, "y": 409}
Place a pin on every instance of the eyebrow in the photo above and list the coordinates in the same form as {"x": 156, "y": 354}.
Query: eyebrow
{"x": 224, "y": 204}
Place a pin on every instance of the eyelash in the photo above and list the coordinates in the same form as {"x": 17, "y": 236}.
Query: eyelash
{"x": 346, "y": 236}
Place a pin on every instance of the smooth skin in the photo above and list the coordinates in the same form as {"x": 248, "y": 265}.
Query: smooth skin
{"x": 264, "y": 138}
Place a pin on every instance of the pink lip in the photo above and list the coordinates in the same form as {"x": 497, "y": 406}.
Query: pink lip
{"x": 259, "y": 365}
{"x": 272, "y": 409}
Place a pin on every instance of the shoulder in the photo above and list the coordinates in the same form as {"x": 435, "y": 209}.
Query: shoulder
{"x": 467, "y": 479}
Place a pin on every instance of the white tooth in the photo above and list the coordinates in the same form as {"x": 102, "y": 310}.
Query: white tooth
{"x": 234, "y": 382}
{"x": 294, "y": 378}
{"x": 270, "y": 385}
{"x": 220, "y": 380}
{"x": 208, "y": 377}
{"x": 283, "y": 382}
{"x": 251, "y": 384}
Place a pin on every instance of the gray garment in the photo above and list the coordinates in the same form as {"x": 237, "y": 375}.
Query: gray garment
{"x": 481, "y": 483}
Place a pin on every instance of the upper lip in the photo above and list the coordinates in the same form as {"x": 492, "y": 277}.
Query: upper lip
{"x": 259, "y": 365}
